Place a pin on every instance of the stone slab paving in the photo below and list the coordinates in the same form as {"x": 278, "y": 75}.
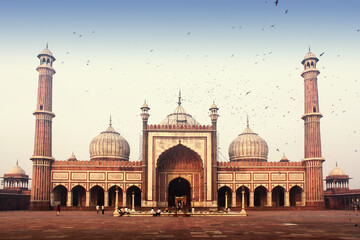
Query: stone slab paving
{"x": 258, "y": 225}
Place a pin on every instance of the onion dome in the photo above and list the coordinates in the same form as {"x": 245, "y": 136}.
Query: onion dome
{"x": 309, "y": 55}
{"x": 16, "y": 170}
{"x": 337, "y": 172}
{"x": 72, "y": 157}
{"x": 109, "y": 145}
{"x": 179, "y": 117}
{"x": 284, "y": 158}
{"x": 248, "y": 146}
{"x": 46, "y": 52}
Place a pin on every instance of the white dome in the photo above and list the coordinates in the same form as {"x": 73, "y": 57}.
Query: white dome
{"x": 109, "y": 145}
{"x": 248, "y": 146}
{"x": 337, "y": 172}
{"x": 16, "y": 170}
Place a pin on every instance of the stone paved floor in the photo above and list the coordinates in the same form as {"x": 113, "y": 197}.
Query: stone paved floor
{"x": 258, "y": 225}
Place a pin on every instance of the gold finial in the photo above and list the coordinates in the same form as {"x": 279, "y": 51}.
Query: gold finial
{"x": 17, "y": 162}
{"x": 336, "y": 164}
{"x": 309, "y": 49}
{"x": 110, "y": 121}
{"x": 46, "y": 45}
{"x": 247, "y": 120}
{"x": 179, "y": 102}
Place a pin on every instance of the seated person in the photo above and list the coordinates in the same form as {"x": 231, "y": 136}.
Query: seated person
{"x": 152, "y": 211}
{"x": 158, "y": 212}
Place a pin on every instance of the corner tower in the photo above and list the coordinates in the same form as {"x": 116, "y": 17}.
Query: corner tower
{"x": 312, "y": 143}
{"x": 42, "y": 158}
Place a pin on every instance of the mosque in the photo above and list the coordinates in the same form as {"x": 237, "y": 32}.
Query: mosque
{"x": 179, "y": 158}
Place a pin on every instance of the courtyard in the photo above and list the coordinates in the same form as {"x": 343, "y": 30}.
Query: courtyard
{"x": 257, "y": 225}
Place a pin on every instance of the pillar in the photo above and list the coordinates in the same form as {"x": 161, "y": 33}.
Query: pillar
{"x": 124, "y": 199}
{"x": 69, "y": 199}
{"x": 226, "y": 200}
{"x": 106, "y": 198}
{"x": 233, "y": 201}
{"x": 287, "y": 199}
{"x": 251, "y": 199}
{"x": 116, "y": 213}
{"x": 269, "y": 199}
{"x": 87, "y": 204}
{"x": 303, "y": 198}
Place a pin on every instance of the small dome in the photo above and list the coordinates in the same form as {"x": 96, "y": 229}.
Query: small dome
{"x": 284, "y": 159}
{"x": 248, "y": 146}
{"x": 46, "y": 51}
{"x": 109, "y": 144}
{"x": 16, "y": 170}
{"x": 72, "y": 157}
{"x": 213, "y": 106}
{"x": 337, "y": 172}
{"x": 309, "y": 55}
{"x": 144, "y": 105}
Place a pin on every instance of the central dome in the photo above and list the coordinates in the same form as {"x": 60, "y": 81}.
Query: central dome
{"x": 179, "y": 117}
{"x": 248, "y": 146}
{"x": 109, "y": 145}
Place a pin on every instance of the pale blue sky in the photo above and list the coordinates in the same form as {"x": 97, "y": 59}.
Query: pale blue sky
{"x": 233, "y": 47}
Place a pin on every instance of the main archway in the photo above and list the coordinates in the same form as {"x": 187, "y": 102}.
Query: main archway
{"x": 179, "y": 187}
{"x": 179, "y": 173}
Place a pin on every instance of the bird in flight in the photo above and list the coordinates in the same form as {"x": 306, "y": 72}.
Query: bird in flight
{"x": 276, "y": 2}
{"x": 151, "y": 50}
{"x": 248, "y": 92}
{"x": 322, "y": 54}
{"x": 188, "y": 33}
{"x": 286, "y": 11}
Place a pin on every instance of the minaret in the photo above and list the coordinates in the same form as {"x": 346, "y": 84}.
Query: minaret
{"x": 144, "y": 116}
{"x": 214, "y": 116}
{"x": 42, "y": 158}
{"x": 313, "y": 159}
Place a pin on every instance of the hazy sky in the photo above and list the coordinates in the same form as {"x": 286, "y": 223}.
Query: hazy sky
{"x": 112, "y": 55}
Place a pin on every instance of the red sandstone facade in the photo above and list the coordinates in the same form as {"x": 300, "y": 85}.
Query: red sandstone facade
{"x": 179, "y": 158}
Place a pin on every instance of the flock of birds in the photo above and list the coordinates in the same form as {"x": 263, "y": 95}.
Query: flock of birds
{"x": 235, "y": 94}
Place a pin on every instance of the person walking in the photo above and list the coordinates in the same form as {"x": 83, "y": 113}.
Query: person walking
{"x": 97, "y": 209}
{"x": 58, "y": 210}
{"x": 102, "y": 209}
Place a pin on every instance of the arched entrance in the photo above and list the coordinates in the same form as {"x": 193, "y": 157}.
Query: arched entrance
{"x": 60, "y": 195}
{"x": 260, "y": 194}
{"x": 96, "y": 196}
{"x": 137, "y": 196}
{"x": 295, "y": 196}
{"x": 79, "y": 196}
{"x": 177, "y": 188}
{"x": 222, "y": 196}
{"x": 186, "y": 164}
{"x": 112, "y": 196}
{"x": 278, "y": 196}
{"x": 239, "y": 196}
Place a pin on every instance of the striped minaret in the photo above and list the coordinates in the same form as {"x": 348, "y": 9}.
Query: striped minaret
{"x": 313, "y": 159}
{"x": 42, "y": 158}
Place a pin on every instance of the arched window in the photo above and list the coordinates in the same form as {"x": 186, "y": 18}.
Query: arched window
{"x": 43, "y": 61}
{"x": 314, "y": 109}
{"x": 312, "y": 64}
{"x": 48, "y": 62}
{"x": 308, "y": 65}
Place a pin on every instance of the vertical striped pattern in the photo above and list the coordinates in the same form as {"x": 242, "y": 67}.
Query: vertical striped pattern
{"x": 40, "y": 190}
{"x": 312, "y": 141}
